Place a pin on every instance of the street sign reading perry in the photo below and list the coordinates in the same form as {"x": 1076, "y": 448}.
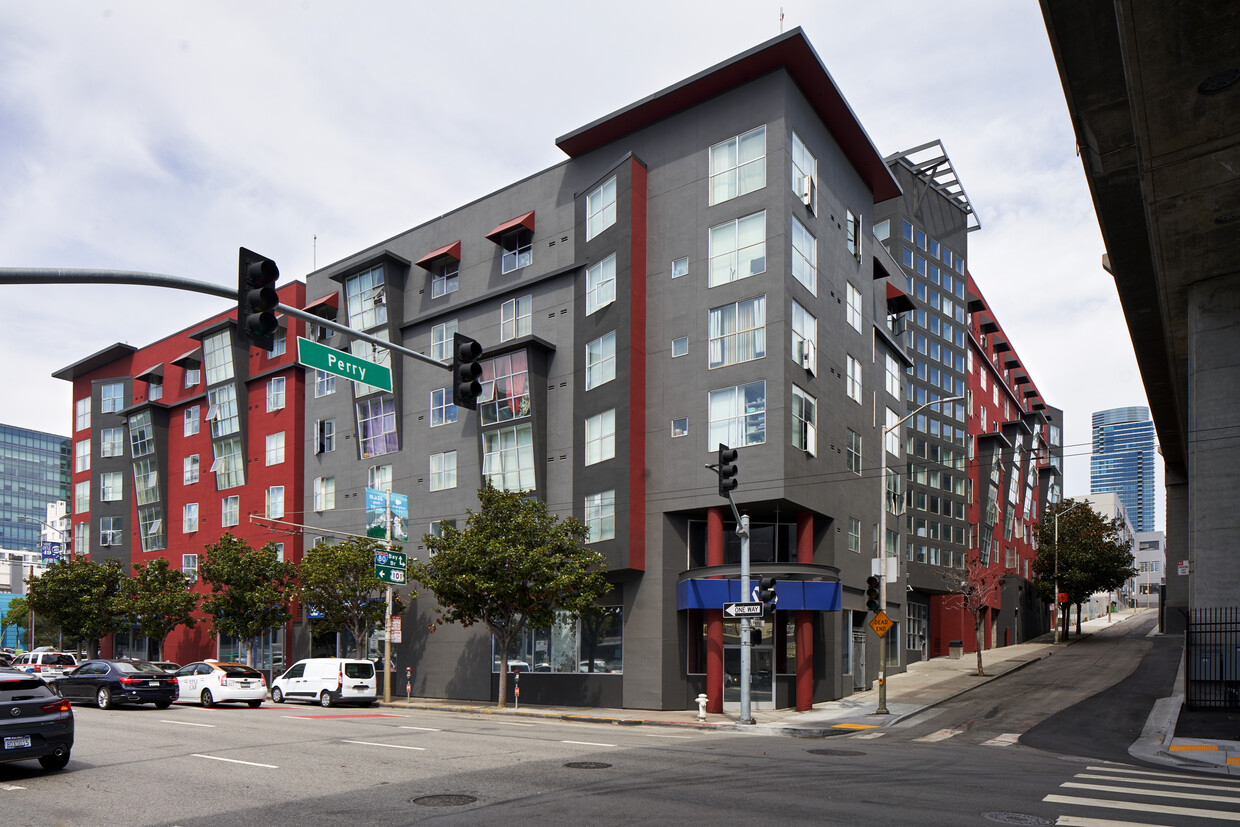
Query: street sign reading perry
{"x": 742, "y": 609}
{"x": 314, "y": 355}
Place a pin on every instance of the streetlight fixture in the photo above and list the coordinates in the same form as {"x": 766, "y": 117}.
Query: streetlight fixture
{"x": 881, "y": 551}
{"x": 1056, "y": 598}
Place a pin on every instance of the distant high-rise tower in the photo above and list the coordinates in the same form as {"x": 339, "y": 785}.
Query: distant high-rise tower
{"x": 1123, "y": 461}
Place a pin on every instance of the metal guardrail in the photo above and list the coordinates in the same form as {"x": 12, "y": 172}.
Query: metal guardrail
{"x": 1212, "y": 658}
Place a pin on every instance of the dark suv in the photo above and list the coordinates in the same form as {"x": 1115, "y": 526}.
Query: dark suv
{"x": 35, "y": 722}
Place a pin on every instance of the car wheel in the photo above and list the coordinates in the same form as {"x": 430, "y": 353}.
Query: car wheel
{"x": 54, "y": 762}
{"x": 104, "y": 699}
{"x": 325, "y": 698}
{"x": 206, "y": 698}
{"x": 255, "y": 704}
{"x": 368, "y": 703}
{"x": 277, "y": 696}
{"x": 163, "y": 704}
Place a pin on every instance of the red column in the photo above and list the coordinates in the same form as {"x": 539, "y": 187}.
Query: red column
{"x": 714, "y": 617}
{"x": 804, "y": 619}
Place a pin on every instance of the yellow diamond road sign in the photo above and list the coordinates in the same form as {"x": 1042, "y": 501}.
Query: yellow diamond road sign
{"x": 881, "y": 623}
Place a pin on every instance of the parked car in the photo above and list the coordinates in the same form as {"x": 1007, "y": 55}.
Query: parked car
{"x": 108, "y": 683}
{"x": 35, "y": 722}
{"x": 167, "y": 665}
{"x": 327, "y": 681}
{"x": 212, "y": 682}
{"x": 47, "y": 664}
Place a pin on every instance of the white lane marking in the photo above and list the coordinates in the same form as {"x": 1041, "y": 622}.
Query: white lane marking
{"x": 941, "y": 735}
{"x": 1127, "y": 770}
{"x": 187, "y": 723}
{"x": 1106, "y": 788}
{"x": 1004, "y": 740}
{"x": 10, "y": 787}
{"x": 510, "y": 723}
{"x": 233, "y": 761}
{"x": 390, "y": 746}
{"x": 588, "y": 743}
{"x": 660, "y": 735}
{"x": 1077, "y": 821}
{"x": 422, "y": 728}
{"x": 1115, "y": 778}
{"x": 868, "y": 735}
{"x": 1143, "y": 807}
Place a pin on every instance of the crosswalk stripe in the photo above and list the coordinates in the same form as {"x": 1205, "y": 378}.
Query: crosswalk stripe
{"x": 1004, "y": 740}
{"x": 1077, "y": 821}
{"x": 1160, "y": 783}
{"x": 1106, "y": 788}
{"x": 868, "y": 735}
{"x": 1143, "y": 807}
{"x": 941, "y": 735}
{"x": 1128, "y": 770}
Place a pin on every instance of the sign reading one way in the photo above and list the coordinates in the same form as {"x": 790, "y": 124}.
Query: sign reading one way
{"x": 320, "y": 357}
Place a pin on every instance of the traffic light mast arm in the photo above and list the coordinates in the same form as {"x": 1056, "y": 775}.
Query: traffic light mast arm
{"x": 736, "y": 514}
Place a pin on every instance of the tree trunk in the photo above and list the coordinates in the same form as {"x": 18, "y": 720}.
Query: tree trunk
{"x": 1078, "y": 619}
{"x": 503, "y": 678}
{"x": 978, "y": 624}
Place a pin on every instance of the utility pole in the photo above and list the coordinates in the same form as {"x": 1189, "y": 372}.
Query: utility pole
{"x": 387, "y": 614}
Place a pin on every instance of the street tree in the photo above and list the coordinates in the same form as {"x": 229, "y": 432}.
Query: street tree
{"x": 17, "y": 617}
{"x": 157, "y": 599}
{"x": 512, "y": 567}
{"x": 974, "y": 590}
{"x": 80, "y": 596}
{"x": 251, "y": 589}
{"x": 339, "y": 581}
{"x": 1092, "y": 556}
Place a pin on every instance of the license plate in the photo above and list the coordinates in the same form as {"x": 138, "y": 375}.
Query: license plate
{"x": 153, "y": 683}
{"x": 359, "y": 689}
{"x": 245, "y": 684}
{"x": 16, "y": 741}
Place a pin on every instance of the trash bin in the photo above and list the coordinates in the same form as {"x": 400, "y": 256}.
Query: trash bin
{"x": 955, "y": 648}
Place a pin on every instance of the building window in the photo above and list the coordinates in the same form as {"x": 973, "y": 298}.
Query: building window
{"x": 680, "y": 426}
{"x": 81, "y": 459}
{"x": 366, "y": 299}
{"x": 145, "y": 481}
{"x": 275, "y": 448}
{"x": 191, "y": 419}
{"x": 111, "y": 442}
{"x": 111, "y": 531}
{"x": 324, "y": 436}
{"x": 853, "y": 381}
{"x": 854, "y": 535}
{"x": 275, "y": 393}
{"x": 853, "y": 311}
{"x": 804, "y": 421}
{"x": 81, "y": 497}
{"x": 601, "y": 437}
{"x": 505, "y": 389}
{"x": 324, "y": 493}
{"x": 275, "y": 501}
{"x": 442, "y": 409}
{"x": 277, "y": 344}
{"x": 893, "y": 376}
{"x": 443, "y": 471}
{"x": 189, "y": 518}
{"x": 738, "y": 165}
{"x": 229, "y": 465}
{"x": 192, "y": 377}
{"x": 738, "y": 332}
{"x": 601, "y": 516}
{"x": 376, "y": 426}
{"x": 601, "y": 284}
{"x": 371, "y": 352}
{"x": 217, "y": 356}
{"x": 508, "y": 458}
{"x": 82, "y": 422}
{"x": 737, "y": 249}
{"x": 852, "y": 230}
{"x": 230, "y": 510}
{"x": 444, "y": 276}
{"x": 892, "y": 432}
{"x": 151, "y": 529}
{"x": 601, "y": 208}
{"x": 854, "y": 452}
{"x": 804, "y": 174}
{"x": 804, "y": 335}
{"x": 518, "y": 247}
{"x": 222, "y": 410}
{"x": 680, "y": 267}
{"x": 738, "y": 416}
{"x": 804, "y": 257}
{"x": 154, "y": 390}
{"x": 441, "y": 340}
{"x": 515, "y": 318}
{"x": 601, "y": 360}
{"x": 324, "y": 383}
{"x": 190, "y": 468}
{"x": 379, "y": 477}
{"x": 189, "y": 566}
{"x": 141, "y": 435}
{"x": 111, "y": 486}
{"x": 680, "y": 346}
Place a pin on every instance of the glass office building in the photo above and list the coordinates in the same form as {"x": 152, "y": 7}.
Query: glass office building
{"x": 34, "y": 471}
{"x": 1122, "y": 461}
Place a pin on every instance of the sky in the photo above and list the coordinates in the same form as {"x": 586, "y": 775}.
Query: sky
{"x": 160, "y": 137}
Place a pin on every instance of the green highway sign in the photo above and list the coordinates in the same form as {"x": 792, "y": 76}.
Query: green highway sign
{"x": 395, "y": 559}
{"x": 320, "y": 357}
{"x": 390, "y": 574}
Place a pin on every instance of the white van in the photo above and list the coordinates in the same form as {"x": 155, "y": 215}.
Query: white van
{"x": 327, "y": 681}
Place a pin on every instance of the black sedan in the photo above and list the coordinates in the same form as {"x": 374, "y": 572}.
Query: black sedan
{"x": 35, "y": 723}
{"x": 109, "y": 683}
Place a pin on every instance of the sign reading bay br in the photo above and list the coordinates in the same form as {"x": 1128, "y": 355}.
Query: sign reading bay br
{"x": 336, "y": 362}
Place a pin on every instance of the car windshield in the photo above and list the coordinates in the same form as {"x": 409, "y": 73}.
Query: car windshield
{"x": 236, "y": 670}
{"x": 139, "y": 666}
{"x": 359, "y": 670}
{"x": 22, "y": 689}
{"x": 60, "y": 660}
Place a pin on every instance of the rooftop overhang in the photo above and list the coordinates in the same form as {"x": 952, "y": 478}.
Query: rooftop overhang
{"x": 790, "y": 52}
{"x": 1154, "y": 96}
{"x": 95, "y": 361}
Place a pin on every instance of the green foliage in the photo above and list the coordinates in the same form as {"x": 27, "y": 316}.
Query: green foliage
{"x": 1090, "y": 555}
{"x": 339, "y": 581}
{"x": 18, "y": 616}
{"x": 79, "y": 595}
{"x": 157, "y": 599}
{"x": 513, "y": 565}
{"x": 250, "y": 588}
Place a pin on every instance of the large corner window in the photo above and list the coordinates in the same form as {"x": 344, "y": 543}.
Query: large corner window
{"x": 217, "y": 356}
{"x": 601, "y": 284}
{"x": 738, "y": 415}
{"x": 737, "y": 249}
{"x": 738, "y": 332}
{"x": 738, "y": 165}
{"x": 366, "y": 299}
{"x": 590, "y": 644}
{"x": 508, "y": 457}
{"x": 601, "y": 208}
{"x": 505, "y": 388}
{"x": 376, "y": 426}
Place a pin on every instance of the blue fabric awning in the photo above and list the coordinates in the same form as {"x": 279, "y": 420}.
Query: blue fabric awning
{"x": 794, "y": 595}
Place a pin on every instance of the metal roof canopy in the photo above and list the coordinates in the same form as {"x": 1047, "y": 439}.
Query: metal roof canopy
{"x": 935, "y": 169}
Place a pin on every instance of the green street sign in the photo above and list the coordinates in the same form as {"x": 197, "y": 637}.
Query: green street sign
{"x": 390, "y": 574}
{"x": 320, "y": 357}
{"x": 394, "y": 559}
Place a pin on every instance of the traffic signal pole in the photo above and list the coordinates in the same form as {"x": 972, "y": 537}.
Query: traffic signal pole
{"x": 726, "y": 471}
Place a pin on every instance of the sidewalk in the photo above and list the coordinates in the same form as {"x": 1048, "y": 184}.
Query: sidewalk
{"x": 925, "y": 684}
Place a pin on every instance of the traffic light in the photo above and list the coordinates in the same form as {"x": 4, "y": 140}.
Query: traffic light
{"x": 766, "y": 595}
{"x": 466, "y": 371}
{"x": 871, "y": 594}
{"x": 257, "y": 299}
{"x": 726, "y": 469}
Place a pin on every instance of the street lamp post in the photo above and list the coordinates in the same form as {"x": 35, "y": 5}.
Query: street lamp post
{"x": 881, "y": 552}
{"x": 1056, "y": 597}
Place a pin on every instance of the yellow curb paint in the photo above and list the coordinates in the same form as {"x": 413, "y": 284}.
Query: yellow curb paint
{"x": 854, "y": 726}
{"x": 1194, "y": 747}
{"x": 1235, "y": 762}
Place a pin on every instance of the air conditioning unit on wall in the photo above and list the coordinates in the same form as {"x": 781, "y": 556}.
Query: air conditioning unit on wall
{"x": 805, "y": 189}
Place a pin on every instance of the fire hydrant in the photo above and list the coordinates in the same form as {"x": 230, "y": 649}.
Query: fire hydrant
{"x": 701, "y": 702}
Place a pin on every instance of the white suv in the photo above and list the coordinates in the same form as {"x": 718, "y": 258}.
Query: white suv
{"x": 46, "y": 664}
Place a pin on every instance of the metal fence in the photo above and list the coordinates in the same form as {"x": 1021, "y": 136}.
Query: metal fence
{"x": 1212, "y": 658}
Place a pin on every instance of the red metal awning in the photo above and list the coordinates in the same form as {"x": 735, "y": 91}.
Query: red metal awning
{"x": 526, "y": 221}
{"x": 326, "y": 306}
{"x": 452, "y": 250}
{"x": 897, "y": 300}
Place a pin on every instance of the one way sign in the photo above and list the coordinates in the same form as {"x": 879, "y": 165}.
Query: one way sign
{"x": 742, "y": 609}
